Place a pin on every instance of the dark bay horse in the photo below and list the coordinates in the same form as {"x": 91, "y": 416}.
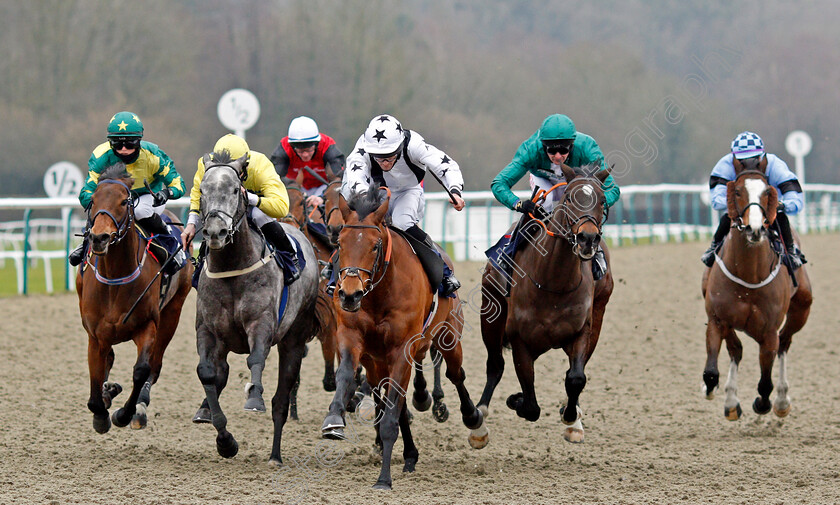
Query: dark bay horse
{"x": 302, "y": 215}
{"x": 242, "y": 306}
{"x": 748, "y": 289}
{"x": 555, "y": 302}
{"x": 120, "y": 300}
{"x": 388, "y": 316}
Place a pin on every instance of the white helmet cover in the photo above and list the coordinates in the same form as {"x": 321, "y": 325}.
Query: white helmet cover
{"x": 384, "y": 135}
{"x": 303, "y": 129}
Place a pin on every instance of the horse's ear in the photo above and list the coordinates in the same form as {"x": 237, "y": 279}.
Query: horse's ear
{"x": 382, "y": 211}
{"x": 772, "y": 204}
{"x": 731, "y": 207}
{"x": 242, "y": 166}
{"x": 602, "y": 175}
{"x": 762, "y": 165}
{"x": 568, "y": 172}
{"x": 206, "y": 159}
{"x": 739, "y": 167}
{"x": 343, "y": 207}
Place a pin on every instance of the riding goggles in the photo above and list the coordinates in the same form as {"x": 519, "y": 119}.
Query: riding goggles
{"x": 124, "y": 143}
{"x": 563, "y": 148}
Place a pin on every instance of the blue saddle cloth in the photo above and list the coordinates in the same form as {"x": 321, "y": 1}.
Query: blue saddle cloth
{"x": 168, "y": 245}
{"x": 504, "y": 249}
{"x": 284, "y": 259}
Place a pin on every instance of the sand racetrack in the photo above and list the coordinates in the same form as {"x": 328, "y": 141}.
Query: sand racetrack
{"x": 651, "y": 437}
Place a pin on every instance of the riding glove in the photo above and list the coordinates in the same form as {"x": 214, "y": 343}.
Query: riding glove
{"x": 161, "y": 197}
{"x": 529, "y": 207}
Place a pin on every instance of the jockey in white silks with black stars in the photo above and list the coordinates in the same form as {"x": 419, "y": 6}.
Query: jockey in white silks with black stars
{"x": 391, "y": 156}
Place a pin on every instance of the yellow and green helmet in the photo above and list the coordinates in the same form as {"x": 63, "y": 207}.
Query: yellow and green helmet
{"x": 125, "y": 124}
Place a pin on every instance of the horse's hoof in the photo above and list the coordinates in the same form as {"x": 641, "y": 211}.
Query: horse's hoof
{"x": 102, "y": 424}
{"x": 120, "y": 419}
{"x": 781, "y": 412}
{"x": 382, "y": 485}
{"x": 366, "y": 409}
{"x": 485, "y": 410}
{"x": 329, "y": 384}
{"x": 573, "y": 435}
{"x": 440, "y": 412}
{"x": 707, "y": 393}
{"x": 202, "y": 415}
{"x": 532, "y": 415}
{"x": 333, "y": 427}
{"x": 514, "y": 401}
{"x": 255, "y": 405}
{"x": 354, "y": 401}
{"x": 761, "y": 407}
{"x": 139, "y": 420}
{"x": 275, "y": 462}
{"x": 422, "y": 404}
{"x": 410, "y": 463}
{"x": 479, "y": 438}
{"x": 733, "y": 414}
{"x": 578, "y": 411}
{"x": 227, "y": 446}
{"x": 110, "y": 390}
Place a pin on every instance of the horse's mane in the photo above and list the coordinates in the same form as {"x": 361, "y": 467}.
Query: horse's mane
{"x": 116, "y": 171}
{"x": 367, "y": 202}
{"x": 222, "y": 156}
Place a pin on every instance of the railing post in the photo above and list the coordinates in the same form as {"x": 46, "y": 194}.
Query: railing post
{"x": 649, "y": 205}
{"x": 26, "y": 215}
{"x": 67, "y": 236}
{"x": 467, "y": 231}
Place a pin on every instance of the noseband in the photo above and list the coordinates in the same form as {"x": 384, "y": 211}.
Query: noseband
{"x": 122, "y": 225}
{"x": 368, "y": 283}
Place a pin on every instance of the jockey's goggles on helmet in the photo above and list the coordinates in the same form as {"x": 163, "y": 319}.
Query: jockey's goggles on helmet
{"x": 558, "y": 147}
{"x": 124, "y": 142}
{"x": 303, "y": 146}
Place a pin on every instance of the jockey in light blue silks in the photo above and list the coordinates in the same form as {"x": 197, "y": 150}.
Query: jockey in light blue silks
{"x": 747, "y": 150}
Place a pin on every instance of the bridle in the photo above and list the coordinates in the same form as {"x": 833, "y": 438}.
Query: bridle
{"x": 567, "y": 226}
{"x": 124, "y": 224}
{"x": 232, "y": 224}
{"x": 368, "y": 284}
{"x": 738, "y": 222}
{"x": 329, "y": 213}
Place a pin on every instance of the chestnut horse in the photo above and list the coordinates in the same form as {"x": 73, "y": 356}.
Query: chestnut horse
{"x": 388, "y": 316}
{"x": 120, "y": 300}
{"x": 748, "y": 289}
{"x": 557, "y": 304}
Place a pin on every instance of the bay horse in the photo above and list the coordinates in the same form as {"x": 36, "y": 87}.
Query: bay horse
{"x": 388, "y": 316}
{"x": 744, "y": 292}
{"x": 242, "y": 306}
{"x": 120, "y": 300}
{"x": 555, "y": 304}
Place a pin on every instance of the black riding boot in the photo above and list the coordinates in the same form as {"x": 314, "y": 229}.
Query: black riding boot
{"x": 77, "y": 254}
{"x": 449, "y": 284}
{"x": 276, "y": 235}
{"x": 153, "y": 225}
{"x": 794, "y": 256}
{"x": 708, "y": 257}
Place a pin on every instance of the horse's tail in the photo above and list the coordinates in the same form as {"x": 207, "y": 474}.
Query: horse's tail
{"x": 324, "y": 323}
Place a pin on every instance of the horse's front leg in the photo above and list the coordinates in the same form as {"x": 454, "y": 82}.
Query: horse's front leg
{"x": 731, "y": 405}
{"x": 291, "y": 355}
{"x": 711, "y": 375}
{"x": 575, "y": 382}
{"x": 439, "y": 411}
{"x": 259, "y": 337}
{"x": 768, "y": 347}
{"x": 97, "y": 364}
{"x": 212, "y": 363}
{"x": 524, "y": 403}
{"x": 393, "y": 405}
{"x": 142, "y": 369}
{"x": 350, "y": 348}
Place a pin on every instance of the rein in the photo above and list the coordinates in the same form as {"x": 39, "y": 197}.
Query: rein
{"x": 354, "y": 271}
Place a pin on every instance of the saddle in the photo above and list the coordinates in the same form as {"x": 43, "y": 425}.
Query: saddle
{"x": 431, "y": 260}
{"x": 162, "y": 247}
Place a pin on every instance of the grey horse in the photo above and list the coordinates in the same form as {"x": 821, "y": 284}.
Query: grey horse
{"x": 239, "y": 299}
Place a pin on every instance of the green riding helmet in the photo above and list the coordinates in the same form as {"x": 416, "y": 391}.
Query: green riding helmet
{"x": 557, "y": 127}
{"x": 125, "y": 124}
